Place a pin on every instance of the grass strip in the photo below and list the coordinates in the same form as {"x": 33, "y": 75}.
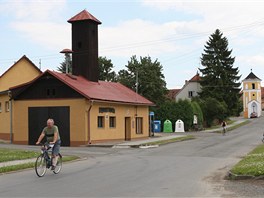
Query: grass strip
{"x": 177, "y": 139}
{"x": 252, "y": 164}
{"x": 17, "y": 167}
{"x": 13, "y": 154}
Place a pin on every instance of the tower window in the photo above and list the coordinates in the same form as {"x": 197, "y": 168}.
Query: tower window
{"x": 79, "y": 45}
{"x": 253, "y": 85}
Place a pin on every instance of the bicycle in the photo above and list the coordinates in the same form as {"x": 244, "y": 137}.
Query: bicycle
{"x": 224, "y": 131}
{"x": 44, "y": 161}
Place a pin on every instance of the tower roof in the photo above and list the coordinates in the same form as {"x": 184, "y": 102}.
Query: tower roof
{"x": 252, "y": 76}
{"x": 84, "y": 16}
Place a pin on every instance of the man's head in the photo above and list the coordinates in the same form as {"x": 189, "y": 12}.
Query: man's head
{"x": 50, "y": 122}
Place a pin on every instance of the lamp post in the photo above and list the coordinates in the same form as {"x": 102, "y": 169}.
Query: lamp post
{"x": 67, "y": 52}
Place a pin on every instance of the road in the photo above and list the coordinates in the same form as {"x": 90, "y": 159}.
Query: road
{"x": 184, "y": 169}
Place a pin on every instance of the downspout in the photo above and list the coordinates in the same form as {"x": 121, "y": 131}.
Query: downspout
{"x": 89, "y": 121}
{"x": 11, "y": 116}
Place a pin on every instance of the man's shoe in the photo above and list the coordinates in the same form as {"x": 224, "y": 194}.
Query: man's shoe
{"x": 53, "y": 167}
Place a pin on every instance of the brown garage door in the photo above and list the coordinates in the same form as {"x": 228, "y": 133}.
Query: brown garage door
{"x": 37, "y": 117}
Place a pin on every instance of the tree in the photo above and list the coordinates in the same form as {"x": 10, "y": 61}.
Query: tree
{"x": 151, "y": 81}
{"x": 106, "y": 72}
{"x": 213, "y": 110}
{"x": 219, "y": 77}
{"x": 62, "y": 67}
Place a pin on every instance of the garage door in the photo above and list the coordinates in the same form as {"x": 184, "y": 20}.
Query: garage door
{"x": 37, "y": 117}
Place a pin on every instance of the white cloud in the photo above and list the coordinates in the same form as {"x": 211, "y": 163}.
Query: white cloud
{"x": 38, "y": 22}
{"x": 137, "y": 37}
{"x": 49, "y": 35}
{"x": 32, "y": 10}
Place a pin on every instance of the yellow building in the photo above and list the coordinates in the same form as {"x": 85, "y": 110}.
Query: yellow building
{"x": 86, "y": 112}
{"x": 252, "y": 96}
{"x": 85, "y": 109}
{"x": 20, "y": 72}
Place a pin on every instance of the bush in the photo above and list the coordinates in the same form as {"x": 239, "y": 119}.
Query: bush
{"x": 198, "y": 111}
{"x": 176, "y": 110}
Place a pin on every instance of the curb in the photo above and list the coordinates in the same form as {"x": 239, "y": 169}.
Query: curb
{"x": 233, "y": 176}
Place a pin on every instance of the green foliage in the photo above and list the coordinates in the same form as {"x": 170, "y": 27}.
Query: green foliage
{"x": 220, "y": 80}
{"x": 62, "y": 67}
{"x": 213, "y": 110}
{"x": 106, "y": 72}
{"x": 151, "y": 81}
{"x": 176, "y": 110}
{"x": 198, "y": 111}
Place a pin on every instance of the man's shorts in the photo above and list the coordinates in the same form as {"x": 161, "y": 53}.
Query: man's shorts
{"x": 56, "y": 148}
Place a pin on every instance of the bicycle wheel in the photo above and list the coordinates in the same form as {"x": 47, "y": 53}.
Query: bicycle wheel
{"x": 40, "y": 166}
{"x": 58, "y": 165}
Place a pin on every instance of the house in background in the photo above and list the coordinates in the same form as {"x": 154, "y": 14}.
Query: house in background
{"x": 85, "y": 109}
{"x": 22, "y": 71}
{"x": 191, "y": 89}
{"x": 252, "y": 98}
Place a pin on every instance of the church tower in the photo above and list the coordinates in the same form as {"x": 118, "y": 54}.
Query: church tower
{"x": 85, "y": 45}
{"x": 252, "y": 96}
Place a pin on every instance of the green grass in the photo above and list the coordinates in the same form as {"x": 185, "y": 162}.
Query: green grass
{"x": 12, "y": 154}
{"x": 177, "y": 139}
{"x": 11, "y": 168}
{"x": 252, "y": 164}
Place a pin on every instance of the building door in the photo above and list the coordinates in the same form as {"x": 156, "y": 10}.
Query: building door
{"x": 37, "y": 118}
{"x": 127, "y": 128}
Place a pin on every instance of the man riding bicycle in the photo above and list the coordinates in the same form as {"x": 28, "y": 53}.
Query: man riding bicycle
{"x": 51, "y": 132}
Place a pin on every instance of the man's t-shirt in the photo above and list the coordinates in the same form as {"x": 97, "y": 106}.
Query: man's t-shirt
{"x": 49, "y": 133}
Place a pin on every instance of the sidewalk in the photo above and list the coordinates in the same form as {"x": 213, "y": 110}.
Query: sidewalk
{"x": 160, "y": 137}
{"x": 237, "y": 122}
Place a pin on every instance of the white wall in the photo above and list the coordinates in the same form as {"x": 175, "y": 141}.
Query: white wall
{"x": 190, "y": 86}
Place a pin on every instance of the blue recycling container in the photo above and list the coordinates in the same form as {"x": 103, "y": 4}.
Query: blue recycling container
{"x": 157, "y": 126}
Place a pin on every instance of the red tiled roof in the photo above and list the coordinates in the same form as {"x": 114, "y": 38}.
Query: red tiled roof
{"x": 103, "y": 91}
{"x": 196, "y": 78}
{"x": 172, "y": 93}
{"x": 83, "y": 16}
{"x": 27, "y": 59}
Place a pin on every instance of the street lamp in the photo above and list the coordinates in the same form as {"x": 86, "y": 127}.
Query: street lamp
{"x": 67, "y": 52}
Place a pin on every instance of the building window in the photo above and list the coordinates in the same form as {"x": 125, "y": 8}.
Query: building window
{"x": 139, "y": 125}
{"x": 79, "y": 45}
{"x": 253, "y": 85}
{"x": 7, "y": 106}
{"x": 100, "y": 122}
{"x": 190, "y": 94}
{"x": 51, "y": 92}
{"x": 112, "y": 122}
{"x": 0, "y": 107}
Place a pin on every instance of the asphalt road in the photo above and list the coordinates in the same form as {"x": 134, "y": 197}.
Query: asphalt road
{"x": 184, "y": 169}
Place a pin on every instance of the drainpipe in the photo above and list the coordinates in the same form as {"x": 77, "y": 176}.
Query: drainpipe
{"x": 89, "y": 122}
{"x": 11, "y": 116}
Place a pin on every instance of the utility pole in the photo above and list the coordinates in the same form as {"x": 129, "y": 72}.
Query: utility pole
{"x": 39, "y": 64}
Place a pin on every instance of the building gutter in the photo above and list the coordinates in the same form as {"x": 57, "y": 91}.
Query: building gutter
{"x": 89, "y": 121}
{"x": 11, "y": 116}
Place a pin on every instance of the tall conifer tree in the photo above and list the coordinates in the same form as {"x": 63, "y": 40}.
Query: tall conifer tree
{"x": 220, "y": 79}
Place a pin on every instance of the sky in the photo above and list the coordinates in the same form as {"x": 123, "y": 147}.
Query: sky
{"x": 171, "y": 31}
